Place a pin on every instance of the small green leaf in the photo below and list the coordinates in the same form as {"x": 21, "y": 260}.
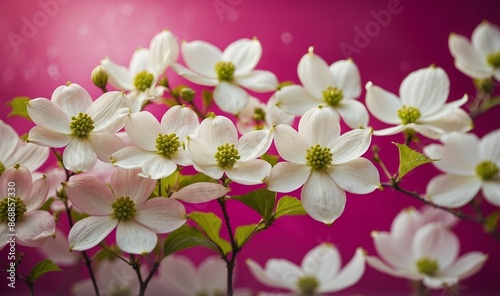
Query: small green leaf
{"x": 19, "y": 107}
{"x": 106, "y": 253}
{"x": 488, "y": 104}
{"x": 186, "y": 237}
{"x": 491, "y": 222}
{"x": 170, "y": 102}
{"x": 243, "y": 233}
{"x": 211, "y": 224}
{"x": 191, "y": 179}
{"x": 289, "y": 206}
{"x": 261, "y": 200}
{"x": 42, "y": 268}
{"x": 208, "y": 97}
{"x": 410, "y": 159}
{"x": 272, "y": 159}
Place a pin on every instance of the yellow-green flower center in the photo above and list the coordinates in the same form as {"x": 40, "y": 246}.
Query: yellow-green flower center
{"x": 11, "y": 207}
{"x": 333, "y": 95}
{"x": 486, "y": 170}
{"x": 225, "y": 70}
{"x": 124, "y": 209}
{"x": 259, "y": 114}
{"x": 307, "y": 285}
{"x": 121, "y": 291}
{"x": 427, "y": 266}
{"x": 494, "y": 59}
{"x": 81, "y": 125}
{"x": 409, "y": 114}
{"x": 2, "y": 168}
{"x": 226, "y": 155}
{"x": 319, "y": 157}
{"x": 167, "y": 144}
{"x": 143, "y": 80}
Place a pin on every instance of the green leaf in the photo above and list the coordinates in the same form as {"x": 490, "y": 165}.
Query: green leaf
{"x": 42, "y": 268}
{"x": 170, "y": 102}
{"x": 211, "y": 224}
{"x": 261, "y": 200}
{"x": 243, "y": 232}
{"x": 490, "y": 103}
{"x": 186, "y": 237}
{"x": 272, "y": 159}
{"x": 19, "y": 107}
{"x": 106, "y": 253}
{"x": 188, "y": 180}
{"x": 289, "y": 206}
{"x": 410, "y": 159}
{"x": 208, "y": 97}
{"x": 491, "y": 222}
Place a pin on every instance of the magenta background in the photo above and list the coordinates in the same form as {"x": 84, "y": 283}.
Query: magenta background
{"x": 81, "y": 33}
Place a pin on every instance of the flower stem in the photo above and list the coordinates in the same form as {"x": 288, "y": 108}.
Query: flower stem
{"x": 230, "y": 262}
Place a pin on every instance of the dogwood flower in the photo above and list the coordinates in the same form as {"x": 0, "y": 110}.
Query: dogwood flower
{"x": 430, "y": 255}
{"x": 319, "y": 272}
{"x": 422, "y": 107}
{"x": 15, "y": 151}
{"x": 70, "y": 119}
{"x": 324, "y": 161}
{"x": 57, "y": 250}
{"x": 481, "y": 57}
{"x": 157, "y": 148}
{"x": 216, "y": 150}
{"x": 336, "y": 86}
{"x": 228, "y": 71}
{"x": 146, "y": 67}
{"x": 25, "y": 197}
{"x": 257, "y": 116}
{"x": 469, "y": 164}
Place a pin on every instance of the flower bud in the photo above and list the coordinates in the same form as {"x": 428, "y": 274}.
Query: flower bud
{"x": 187, "y": 94}
{"x": 99, "y": 77}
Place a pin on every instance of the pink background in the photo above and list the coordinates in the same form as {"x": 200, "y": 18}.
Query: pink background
{"x": 72, "y": 40}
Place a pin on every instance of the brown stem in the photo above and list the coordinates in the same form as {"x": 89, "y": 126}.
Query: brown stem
{"x": 230, "y": 262}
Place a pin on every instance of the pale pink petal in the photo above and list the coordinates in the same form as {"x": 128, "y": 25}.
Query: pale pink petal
{"x": 382, "y": 104}
{"x": 290, "y": 144}
{"x": 296, "y": 100}
{"x": 131, "y": 157}
{"x": 358, "y": 176}
{"x": 455, "y": 120}
{"x": 346, "y": 76}
{"x": 179, "y": 274}
{"x": 20, "y": 176}
{"x": 200, "y": 192}
{"x": 90, "y": 195}
{"x": 230, "y": 98}
{"x": 161, "y": 214}
{"x": 468, "y": 59}
{"x": 57, "y": 250}
{"x": 105, "y": 144}
{"x": 30, "y": 155}
{"x": 34, "y": 228}
{"x": 127, "y": 183}
{"x": 287, "y": 176}
{"x": 278, "y": 273}
{"x": 244, "y": 54}
{"x": 348, "y": 276}
{"x": 323, "y": 262}
{"x": 179, "y": 120}
{"x": 213, "y": 274}
{"x": 4, "y": 235}
{"x": 435, "y": 241}
{"x": 250, "y": 172}
{"x": 134, "y": 238}
{"x": 406, "y": 223}
{"x": 351, "y": 145}
{"x": 143, "y": 129}
{"x": 48, "y": 138}
{"x": 9, "y": 141}
{"x": 89, "y": 232}
{"x": 258, "y": 81}
{"x": 486, "y": 38}
{"x": 432, "y": 214}
{"x": 466, "y": 265}
{"x": 491, "y": 191}
{"x": 203, "y": 157}
{"x": 158, "y": 167}
{"x": 392, "y": 252}
{"x": 38, "y": 195}
{"x": 72, "y": 99}
{"x": 201, "y": 57}
{"x": 377, "y": 264}
{"x": 48, "y": 115}
{"x": 353, "y": 113}
{"x": 314, "y": 74}
{"x": 452, "y": 191}
{"x": 195, "y": 77}
{"x": 217, "y": 131}
{"x": 320, "y": 126}
{"x": 253, "y": 144}
{"x": 79, "y": 156}
{"x": 83, "y": 288}
{"x": 118, "y": 75}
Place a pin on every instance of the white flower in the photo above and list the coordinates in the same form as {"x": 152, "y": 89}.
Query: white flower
{"x": 324, "y": 161}
{"x": 15, "y": 151}
{"x": 423, "y": 252}
{"x": 178, "y": 276}
{"x": 228, "y": 71}
{"x": 481, "y": 58}
{"x": 57, "y": 250}
{"x": 336, "y": 86}
{"x": 319, "y": 272}
{"x": 146, "y": 66}
{"x": 470, "y": 165}
{"x": 257, "y": 116}
{"x": 86, "y": 128}
{"x": 32, "y": 227}
{"x": 216, "y": 150}
{"x": 157, "y": 148}
{"x": 422, "y": 107}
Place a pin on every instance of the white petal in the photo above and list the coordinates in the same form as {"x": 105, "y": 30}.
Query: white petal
{"x": 90, "y": 195}
{"x": 435, "y": 241}
{"x": 57, "y": 250}
{"x": 131, "y": 157}
{"x": 395, "y": 254}
{"x": 466, "y": 265}
{"x": 127, "y": 183}
{"x": 323, "y": 262}
{"x": 203, "y": 157}
{"x": 258, "y": 81}
{"x": 41, "y": 136}
{"x": 486, "y": 38}
{"x": 274, "y": 274}
{"x": 161, "y": 214}
{"x": 253, "y": 144}
{"x": 275, "y": 115}
{"x": 180, "y": 273}
{"x": 406, "y": 223}
{"x": 133, "y": 238}
{"x": 351, "y": 145}
{"x": 35, "y": 228}
{"x": 194, "y": 77}
{"x": 218, "y": 131}
{"x": 158, "y": 167}
{"x": 48, "y": 115}
{"x": 358, "y": 176}
{"x": 181, "y": 157}
{"x": 38, "y": 194}
{"x": 377, "y": 264}
{"x": 213, "y": 274}
{"x": 139, "y": 61}
{"x": 164, "y": 51}
{"x": 382, "y": 104}
{"x": 427, "y": 130}
{"x": 30, "y": 155}
{"x": 290, "y": 144}
{"x": 118, "y": 75}
{"x": 244, "y": 54}
{"x": 201, "y": 57}
{"x": 390, "y": 130}
{"x": 296, "y": 100}
{"x": 180, "y": 120}
{"x": 322, "y": 198}
{"x": 72, "y": 99}
{"x": 105, "y": 111}
{"x": 314, "y": 74}
{"x": 288, "y": 176}
{"x": 353, "y": 113}
{"x": 143, "y": 129}
{"x": 447, "y": 108}
{"x": 89, "y": 232}
{"x": 105, "y": 144}
{"x": 79, "y": 156}
{"x": 346, "y": 77}
{"x": 9, "y": 141}
{"x": 489, "y": 146}
{"x": 426, "y": 89}
{"x": 250, "y": 172}
{"x": 491, "y": 191}
{"x": 230, "y": 98}
{"x": 467, "y": 58}
{"x": 200, "y": 192}
{"x": 452, "y": 191}
{"x": 455, "y": 120}
{"x": 320, "y": 126}
{"x": 350, "y": 274}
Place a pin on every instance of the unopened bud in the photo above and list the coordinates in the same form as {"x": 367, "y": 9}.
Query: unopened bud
{"x": 163, "y": 82}
{"x": 100, "y": 77}
{"x": 187, "y": 94}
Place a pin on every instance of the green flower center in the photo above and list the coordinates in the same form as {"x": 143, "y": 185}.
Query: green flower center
{"x": 124, "y": 209}
{"x": 427, "y": 266}
{"x": 409, "y": 114}
{"x": 121, "y": 291}
{"x": 259, "y": 114}
{"x": 143, "y": 80}
{"x": 486, "y": 170}
{"x": 226, "y": 155}
{"x": 494, "y": 59}
{"x": 319, "y": 157}
{"x": 307, "y": 285}
{"x": 333, "y": 95}
{"x": 81, "y": 125}
{"x": 2, "y": 168}
{"x": 11, "y": 207}
{"x": 225, "y": 71}
{"x": 167, "y": 144}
